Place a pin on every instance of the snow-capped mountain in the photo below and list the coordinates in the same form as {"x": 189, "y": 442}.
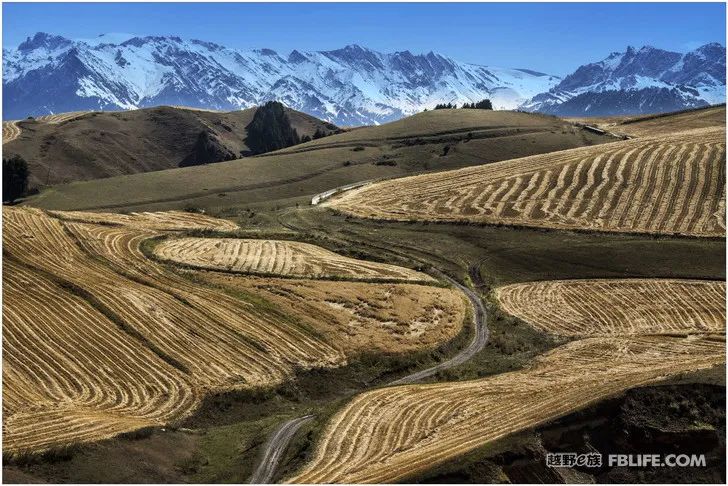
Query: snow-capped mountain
{"x": 349, "y": 86}
{"x": 647, "y": 80}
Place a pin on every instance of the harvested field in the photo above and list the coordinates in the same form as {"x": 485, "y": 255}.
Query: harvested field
{"x": 389, "y": 434}
{"x": 627, "y": 306}
{"x": 60, "y": 117}
{"x": 282, "y": 258}
{"x": 166, "y": 221}
{"x": 108, "y": 341}
{"x": 659, "y": 124}
{"x": 11, "y": 131}
{"x": 393, "y": 433}
{"x": 70, "y": 374}
{"x": 363, "y": 317}
{"x": 673, "y": 184}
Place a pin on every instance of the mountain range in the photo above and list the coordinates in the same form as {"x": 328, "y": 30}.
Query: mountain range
{"x": 639, "y": 81}
{"x": 349, "y": 86}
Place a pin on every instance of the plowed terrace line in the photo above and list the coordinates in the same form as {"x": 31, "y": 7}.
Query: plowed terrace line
{"x": 673, "y": 184}
{"x": 390, "y": 434}
{"x": 100, "y": 340}
{"x": 11, "y": 131}
{"x": 273, "y": 257}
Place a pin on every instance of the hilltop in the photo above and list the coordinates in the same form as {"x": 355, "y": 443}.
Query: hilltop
{"x": 92, "y": 145}
{"x": 429, "y": 141}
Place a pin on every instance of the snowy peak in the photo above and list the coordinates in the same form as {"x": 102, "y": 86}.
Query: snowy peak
{"x": 41, "y": 40}
{"x": 352, "y": 85}
{"x": 668, "y": 80}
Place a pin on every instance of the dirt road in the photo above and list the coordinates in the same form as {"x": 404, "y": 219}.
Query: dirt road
{"x": 277, "y": 444}
{"x": 274, "y": 449}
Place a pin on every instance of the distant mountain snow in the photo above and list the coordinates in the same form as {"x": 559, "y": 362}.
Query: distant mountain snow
{"x": 349, "y": 86}
{"x": 637, "y": 81}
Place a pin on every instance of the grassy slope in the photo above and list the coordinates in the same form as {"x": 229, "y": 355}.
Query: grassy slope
{"x": 228, "y": 448}
{"x": 438, "y": 140}
{"x": 646, "y": 125}
{"x": 105, "y": 144}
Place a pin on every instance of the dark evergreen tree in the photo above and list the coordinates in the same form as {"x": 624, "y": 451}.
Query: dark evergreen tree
{"x": 270, "y": 129}
{"x": 15, "y": 178}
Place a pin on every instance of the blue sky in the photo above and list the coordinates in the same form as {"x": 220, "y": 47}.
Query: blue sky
{"x": 551, "y": 37}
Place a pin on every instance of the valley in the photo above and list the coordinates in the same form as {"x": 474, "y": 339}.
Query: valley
{"x": 497, "y": 274}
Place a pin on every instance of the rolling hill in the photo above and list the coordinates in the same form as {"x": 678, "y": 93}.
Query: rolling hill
{"x": 91, "y": 145}
{"x": 660, "y": 124}
{"x": 390, "y": 434}
{"x": 104, "y": 340}
{"x": 669, "y": 184}
{"x": 433, "y": 140}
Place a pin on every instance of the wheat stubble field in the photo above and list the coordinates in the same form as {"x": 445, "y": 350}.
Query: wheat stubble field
{"x": 623, "y": 306}
{"x": 109, "y": 341}
{"x": 273, "y": 257}
{"x": 393, "y": 433}
{"x": 11, "y": 131}
{"x": 668, "y": 184}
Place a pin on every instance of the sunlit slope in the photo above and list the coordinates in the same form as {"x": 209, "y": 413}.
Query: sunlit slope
{"x": 87, "y": 145}
{"x": 660, "y": 124}
{"x": 98, "y": 339}
{"x": 274, "y": 257}
{"x": 631, "y": 307}
{"x": 435, "y": 140}
{"x": 673, "y": 184}
{"x": 392, "y": 434}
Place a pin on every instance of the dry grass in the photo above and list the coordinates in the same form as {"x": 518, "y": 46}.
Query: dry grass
{"x": 393, "y": 433}
{"x": 61, "y": 117}
{"x": 273, "y": 257}
{"x": 363, "y": 317}
{"x": 630, "y": 307}
{"x": 11, "y": 131}
{"x": 161, "y": 221}
{"x": 100, "y": 340}
{"x": 389, "y": 434}
{"x": 663, "y": 185}
{"x": 660, "y": 124}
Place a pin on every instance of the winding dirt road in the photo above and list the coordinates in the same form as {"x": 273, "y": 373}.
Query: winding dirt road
{"x": 278, "y": 442}
{"x": 274, "y": 449}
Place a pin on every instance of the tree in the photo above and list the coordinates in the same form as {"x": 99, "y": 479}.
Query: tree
{"x": 270, "y": 129}
{"x": 480, "y": 105}
{"x": 15, "y": 178}
{"x": 445, "y": 106}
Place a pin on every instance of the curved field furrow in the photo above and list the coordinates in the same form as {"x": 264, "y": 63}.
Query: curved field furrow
{"x": 626, "y": 307}
{"x": 61, "y": 117}
{"x": 161, "y": 221}
{"x": 54, "y": 375}
{"x": 98, "y": 339}
{"x": 664, "y": 184}
{"x": 11, "y": 131}
{"x": 271, "y": 257}
{"x": 389, "y": 434}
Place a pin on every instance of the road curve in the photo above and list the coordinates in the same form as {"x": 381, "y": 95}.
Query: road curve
{"x": 280, "y": 439}
{"x": 274, "y": 449}
{"x": 476, "y": 345}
